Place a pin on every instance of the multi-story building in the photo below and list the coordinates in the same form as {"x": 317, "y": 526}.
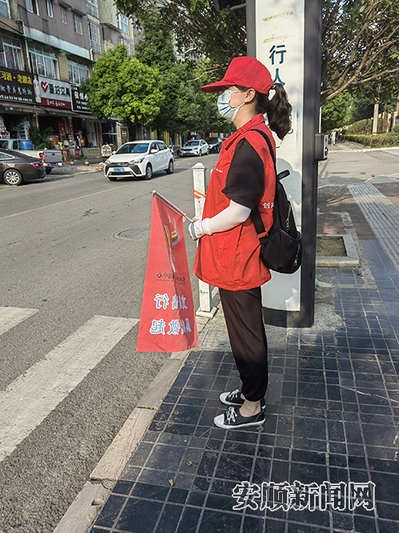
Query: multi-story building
{"x": 47, "y": 49}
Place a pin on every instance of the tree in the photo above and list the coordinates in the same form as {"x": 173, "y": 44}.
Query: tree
{"x": 361, "y": 107}
{"x": 198, "y": 29}
{"x": 359, "y": 43}
{"x": 156, "y": 49}
{"x": 185, "y": 108}
{"x": 123, "y": 87}
{"x": 335, "y": 113}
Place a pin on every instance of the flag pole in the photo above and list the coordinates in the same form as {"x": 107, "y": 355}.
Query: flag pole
{"x": 172, "y": 206}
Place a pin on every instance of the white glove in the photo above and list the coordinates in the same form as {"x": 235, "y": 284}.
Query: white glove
{"x": 198, "y": 228}
{"x": 227, "y": 219}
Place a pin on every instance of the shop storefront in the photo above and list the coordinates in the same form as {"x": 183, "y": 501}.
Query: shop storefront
{"x": 17, "y": 104}
{"x": 86, "y": 126}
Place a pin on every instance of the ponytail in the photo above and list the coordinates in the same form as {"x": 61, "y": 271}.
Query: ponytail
{"x": 278, "y": 110}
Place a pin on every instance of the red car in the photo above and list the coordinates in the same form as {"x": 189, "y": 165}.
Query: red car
{"x": 16, "y": 167}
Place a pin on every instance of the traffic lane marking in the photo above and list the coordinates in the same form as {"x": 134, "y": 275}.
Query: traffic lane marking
{"x": 31, "y": 397}
{"x": 63, "y": 202}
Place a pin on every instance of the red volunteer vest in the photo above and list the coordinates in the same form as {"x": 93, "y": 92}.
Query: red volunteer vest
{"x": 230, "y": 259}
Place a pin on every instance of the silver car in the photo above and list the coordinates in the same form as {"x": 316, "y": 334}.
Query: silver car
{"x": 195, "y": 147}
{"x": 139, "y": 159}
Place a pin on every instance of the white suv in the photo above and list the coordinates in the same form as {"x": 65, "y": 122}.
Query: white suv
{"x": 139, "y": 159}
{"x": 195, "y": 147}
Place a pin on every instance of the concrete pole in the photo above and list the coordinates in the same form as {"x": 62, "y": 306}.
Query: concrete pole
{"x": 200, "y": 185}
{"x": 375, "y": 119}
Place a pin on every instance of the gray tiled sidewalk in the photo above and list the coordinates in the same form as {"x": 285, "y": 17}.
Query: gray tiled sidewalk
{"x": 332, "y": 412}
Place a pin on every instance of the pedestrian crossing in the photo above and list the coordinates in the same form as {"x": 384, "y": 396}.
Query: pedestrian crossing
{"x": 12, "y": 316}
{"x": 32, "y": 396}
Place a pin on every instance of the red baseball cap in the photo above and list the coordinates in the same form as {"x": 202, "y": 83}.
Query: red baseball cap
{"x": 244, "y": 71}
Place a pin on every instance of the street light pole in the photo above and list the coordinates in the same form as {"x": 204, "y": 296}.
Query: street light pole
{"x": 251, "y": 28}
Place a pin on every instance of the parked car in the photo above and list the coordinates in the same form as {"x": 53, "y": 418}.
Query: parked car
{"x": 139, "y": 159}
{"x": 24, "y": 146}
{"x": 16, "y": 167}
{"x": 195, "y": 147}
{"x": 214, "y": 144}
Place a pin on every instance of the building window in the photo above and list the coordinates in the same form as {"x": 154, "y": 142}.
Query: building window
{"x": 50, "y": 11}
{"x": 123, "y": 23}
{"x": 44, "y": 62}
{"x": 4, "y": 9}
{"x": 77, "y": 23}
{"x": 95, "y": 38}
{"x": 12, "y": 55}
{"x": 78, "y": 72}
{"x": 32, "y": 6}
{"x": 64, "y": 15}
{"x": 92, "y": 8}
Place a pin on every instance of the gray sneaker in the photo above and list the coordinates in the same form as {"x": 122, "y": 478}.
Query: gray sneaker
{"x": 234, "y": 399}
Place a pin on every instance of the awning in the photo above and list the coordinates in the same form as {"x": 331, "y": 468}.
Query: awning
{"x": 10, "y": 107}
{"x": 55, "y": 111}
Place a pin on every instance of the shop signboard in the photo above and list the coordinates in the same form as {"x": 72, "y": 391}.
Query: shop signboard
{"x": 79, "y": 100}
{"x": 16, "y": 86}
{"x": 70, "y": 128}
{"x": 53, "y": 93}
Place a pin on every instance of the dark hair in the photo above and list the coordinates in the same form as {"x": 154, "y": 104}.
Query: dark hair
{"x": 278, "y": 109}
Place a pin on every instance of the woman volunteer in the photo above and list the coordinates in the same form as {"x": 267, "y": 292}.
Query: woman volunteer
{"x": 228, "y": 250}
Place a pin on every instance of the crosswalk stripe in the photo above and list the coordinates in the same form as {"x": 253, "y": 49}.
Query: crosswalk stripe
{"x": 30, "y": 398}
{"x": 11, "y": 316}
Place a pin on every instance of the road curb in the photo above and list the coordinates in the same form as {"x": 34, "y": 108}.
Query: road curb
{"x": 90, "y": 501}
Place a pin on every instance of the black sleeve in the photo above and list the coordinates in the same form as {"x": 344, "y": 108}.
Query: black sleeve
{"x": 245, "y": 179}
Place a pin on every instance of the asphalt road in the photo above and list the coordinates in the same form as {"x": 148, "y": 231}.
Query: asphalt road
{"x": 70, "y": 289}
{"x": 350, "y": 167}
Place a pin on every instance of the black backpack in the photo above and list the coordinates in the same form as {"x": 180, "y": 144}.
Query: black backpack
{"x": 281, "y": 247}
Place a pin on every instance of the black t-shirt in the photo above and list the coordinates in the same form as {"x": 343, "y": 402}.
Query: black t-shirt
{"x": 245, "y": 179}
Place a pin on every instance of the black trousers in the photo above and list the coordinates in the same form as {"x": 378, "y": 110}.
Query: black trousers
{"x": 244, "y": 320}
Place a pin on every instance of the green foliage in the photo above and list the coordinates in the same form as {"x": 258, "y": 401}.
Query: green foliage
{"x": 373, "y": 141}
{"x": 123, "y": 87}
{"x": 364, "y": 127}
{"x": 359, "y": 42}
{"x": 360, "y": 47}
{"x": 198, "y": 29}
{"x": 361, "y": 127}
{"x": 361, "y": 107}
{"x": 335, "y": 113}
{"x": 39, "y": 138}
{"x": 185, "y": 108}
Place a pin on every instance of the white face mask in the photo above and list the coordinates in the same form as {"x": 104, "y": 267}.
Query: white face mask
{"x": 225, "y": 109}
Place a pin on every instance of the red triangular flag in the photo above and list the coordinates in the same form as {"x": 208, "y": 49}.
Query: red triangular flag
{"x": 167, "y": 322}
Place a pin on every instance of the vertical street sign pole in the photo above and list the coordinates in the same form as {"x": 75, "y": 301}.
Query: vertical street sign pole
{"x": 285, "y": 35}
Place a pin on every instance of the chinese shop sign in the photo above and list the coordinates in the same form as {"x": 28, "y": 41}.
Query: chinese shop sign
{"x": 54, "y": 93}
{"x": 16, "y": 86}
{"x": 79, "y": 100}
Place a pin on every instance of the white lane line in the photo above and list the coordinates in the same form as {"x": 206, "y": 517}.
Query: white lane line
{"x": 30, "y": 398}
{"x": 11, "y": 316}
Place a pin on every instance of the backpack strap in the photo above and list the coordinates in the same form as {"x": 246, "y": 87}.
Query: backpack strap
{"x": 255, "y": 215}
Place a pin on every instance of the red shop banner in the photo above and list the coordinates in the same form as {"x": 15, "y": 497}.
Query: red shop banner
{"x": 167, "y": 322}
